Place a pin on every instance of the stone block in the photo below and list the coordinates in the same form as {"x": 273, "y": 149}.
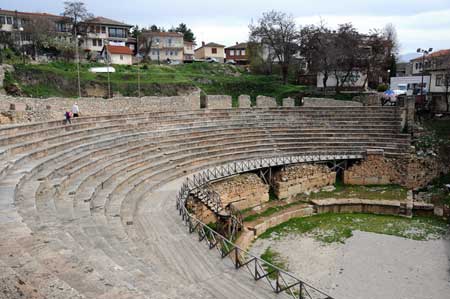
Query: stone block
{"x": 218, "y": 102}
{"x": 244, "y": 101}
{"x": 18, "y": 107}
{"x": 265, "y": 102}
{"x": 288, "y": 102}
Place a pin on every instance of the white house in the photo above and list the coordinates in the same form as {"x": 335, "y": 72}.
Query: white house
{"x": 117, "y": 54}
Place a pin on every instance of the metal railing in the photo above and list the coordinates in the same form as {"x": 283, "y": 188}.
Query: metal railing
{"x": 279, "y": 280}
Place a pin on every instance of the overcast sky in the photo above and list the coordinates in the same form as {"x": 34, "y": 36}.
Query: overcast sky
{"x": 419, "y": 23}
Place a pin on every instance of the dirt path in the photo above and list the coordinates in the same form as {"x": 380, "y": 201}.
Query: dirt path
{"x": 368, "y": 265}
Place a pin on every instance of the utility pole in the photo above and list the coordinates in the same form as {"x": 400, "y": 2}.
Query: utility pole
{"x": 424, "y": 53}
{"x": 77, "y": 37}
{"x": 138, "y": 65}
{"x": 157, "y": 45}
{"x": 106, "y": 43}
{"x": 21, "y": 44}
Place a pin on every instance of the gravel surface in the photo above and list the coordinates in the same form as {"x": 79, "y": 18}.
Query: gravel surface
{"x": 368, "y": 265}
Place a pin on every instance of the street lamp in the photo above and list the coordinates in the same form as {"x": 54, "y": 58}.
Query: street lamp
{"x": 21, "y": 43}
{"x": 106, "y": 43}
{"x": 138, "y": 56}
{"x": 424, "y": 53}
{"x": 388, "y": 77}
{"x": 157, "y": 45}
{"x": 77, "y": 38}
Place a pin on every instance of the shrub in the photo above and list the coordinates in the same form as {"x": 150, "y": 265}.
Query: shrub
{"x": 382, "y": 88}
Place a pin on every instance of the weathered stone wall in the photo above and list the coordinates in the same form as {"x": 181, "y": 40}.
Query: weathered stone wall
{"x": 218, "y": 102}
{"x": 4, "y": 68}
{"x": 411, "y": 171}
{"x": 54, "y": 108}
{"x": 244, "y": 191}
{"x": 325, "y": 102}
{"x": 302, "y": 178}
{"x": 244, "y": 101}
{"x": 288, "y": 102}
{"x": 200, "y": 211}
{"x": 369, "y": 99}
{"x": 264, "y": 102}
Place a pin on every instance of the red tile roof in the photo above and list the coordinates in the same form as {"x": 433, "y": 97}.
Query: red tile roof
{"x": 157, "y": 33}
{"x": 434, "y": 54}
{"x": 119, "y": 50}
{"x": 36, "y": 14}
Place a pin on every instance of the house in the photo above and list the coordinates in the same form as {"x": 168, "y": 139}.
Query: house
{"x": 210, "y": 50}
{"x": 424, "y": 62}
{"x": 438, "y": 66}
{"x": 403, "y": 69}
{"x": 188, "y": 51}
{"x": 97, "y": 30}
{"x": 117, "y": 54}
{"x": 238, "y": 53}
{"x": 163, "y": 46}
{"x": 18, "y": 27}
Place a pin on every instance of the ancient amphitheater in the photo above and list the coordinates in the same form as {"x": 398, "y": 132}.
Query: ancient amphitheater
{"x": 88, "y": 210}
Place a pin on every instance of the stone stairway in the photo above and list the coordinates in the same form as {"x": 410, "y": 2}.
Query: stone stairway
{"x": 88, "y": 210}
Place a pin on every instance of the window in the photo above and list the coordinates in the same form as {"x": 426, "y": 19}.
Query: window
{"x": 171, "y": 53}
{"x": 214, "y": 50}
{"x": 117, "y": 32}
{"x": 231, "y": 52}
{"x": 238, "y": 52}
{"x": 170, "y": 41}
{"x": 243, "y": 52}
{"x": 103, "y": 29}
{"x": 99, "y": 42}
{"x": 417, "y": 65}
{"x": 2, "y": 20}
{"x": 121, "y": 57}
{"x": 439, "y": 80}
{"x": 97, "y": 29}
{"x": 9, "y": 20}
{"x": 176, "y": 53}
{"x": 94, "y": 42}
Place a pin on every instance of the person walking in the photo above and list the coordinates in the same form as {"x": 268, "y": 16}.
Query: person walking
{"x": 75, "y": 110}
{"x": 68, "y": 116}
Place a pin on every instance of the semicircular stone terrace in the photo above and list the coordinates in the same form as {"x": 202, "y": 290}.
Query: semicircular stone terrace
{"x": 88, "y": 210}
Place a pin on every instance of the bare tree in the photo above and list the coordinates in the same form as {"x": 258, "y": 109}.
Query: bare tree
{"x": 316, "y": 47}
{"x": 77, "y": 12}
{"x": 40, "y": 31}
{"x": 278, "y": 32}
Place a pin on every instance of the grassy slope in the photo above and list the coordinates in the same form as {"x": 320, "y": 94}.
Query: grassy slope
{"x": 211, "y": 78}
{"x": 338, "y": 227}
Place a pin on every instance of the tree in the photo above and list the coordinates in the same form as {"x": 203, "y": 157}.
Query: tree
{"x": 188, "y": 35}
{"x": 77, "y": 12}
{"x": 279, "y": 33}
{"x": 40, "y": 31}
{"x": 154, "y": 28}
{"x": 349, "y": 53}
{"x": 316, "y": 47}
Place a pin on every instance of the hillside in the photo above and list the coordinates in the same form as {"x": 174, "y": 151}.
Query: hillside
{"x": 60, "y": 79}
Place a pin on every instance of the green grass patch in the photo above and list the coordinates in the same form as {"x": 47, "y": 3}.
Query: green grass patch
{"x": 212, "y": 78}
{"x": 274, "y": 258}
{"x": 375, "y": 192}
{"x": 332, "y": 227}
{"x": 270, "y": 211}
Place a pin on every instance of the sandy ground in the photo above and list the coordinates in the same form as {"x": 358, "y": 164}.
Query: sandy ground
{"x": 368, "y": 265}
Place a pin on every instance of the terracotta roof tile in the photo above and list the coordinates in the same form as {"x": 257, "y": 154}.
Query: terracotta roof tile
{"x": 119, "y": 50}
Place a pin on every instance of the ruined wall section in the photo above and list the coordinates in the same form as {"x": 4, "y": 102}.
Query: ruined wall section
{"x": 302, "y": 178}
{"x": 244, "y": 191}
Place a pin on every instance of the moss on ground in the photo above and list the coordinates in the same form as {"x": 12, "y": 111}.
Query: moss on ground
{"x": 331, "y": 227}
{"x": 273, "y": 257}
{"x": 375, "y": 192}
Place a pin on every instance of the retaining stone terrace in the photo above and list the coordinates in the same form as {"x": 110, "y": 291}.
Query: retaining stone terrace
{"x": 218, "y": 102}
{"x": 265, "y": 102}
{"x": 87, "y": 210}
{"x": 298, "y": 179}
{"x": 320, "y": 102}
{"x": 243, "y": 191}
{"x": 288, "y": 102}
{"x": 244, "y": 101}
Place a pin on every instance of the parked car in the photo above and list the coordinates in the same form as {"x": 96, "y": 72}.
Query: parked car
{"x": 231, "y": 61}
{"x": 211, "y": 60}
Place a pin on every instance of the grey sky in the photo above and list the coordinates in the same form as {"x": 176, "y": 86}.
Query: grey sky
{"x": 419, "y": 23}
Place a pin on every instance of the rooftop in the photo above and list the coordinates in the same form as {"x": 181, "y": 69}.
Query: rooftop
{"x": 119, "y": 50}
{"x": 238, "y": 46}
{"x": 31, "y": 14}
{"x": 434, "y": 54}
{"x": 105, "y": 21}
{"x": 211, "y": 45}
{"x": 164, "y": 34}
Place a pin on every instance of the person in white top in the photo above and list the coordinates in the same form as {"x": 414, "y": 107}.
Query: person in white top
{"x": 75, "y": 110}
